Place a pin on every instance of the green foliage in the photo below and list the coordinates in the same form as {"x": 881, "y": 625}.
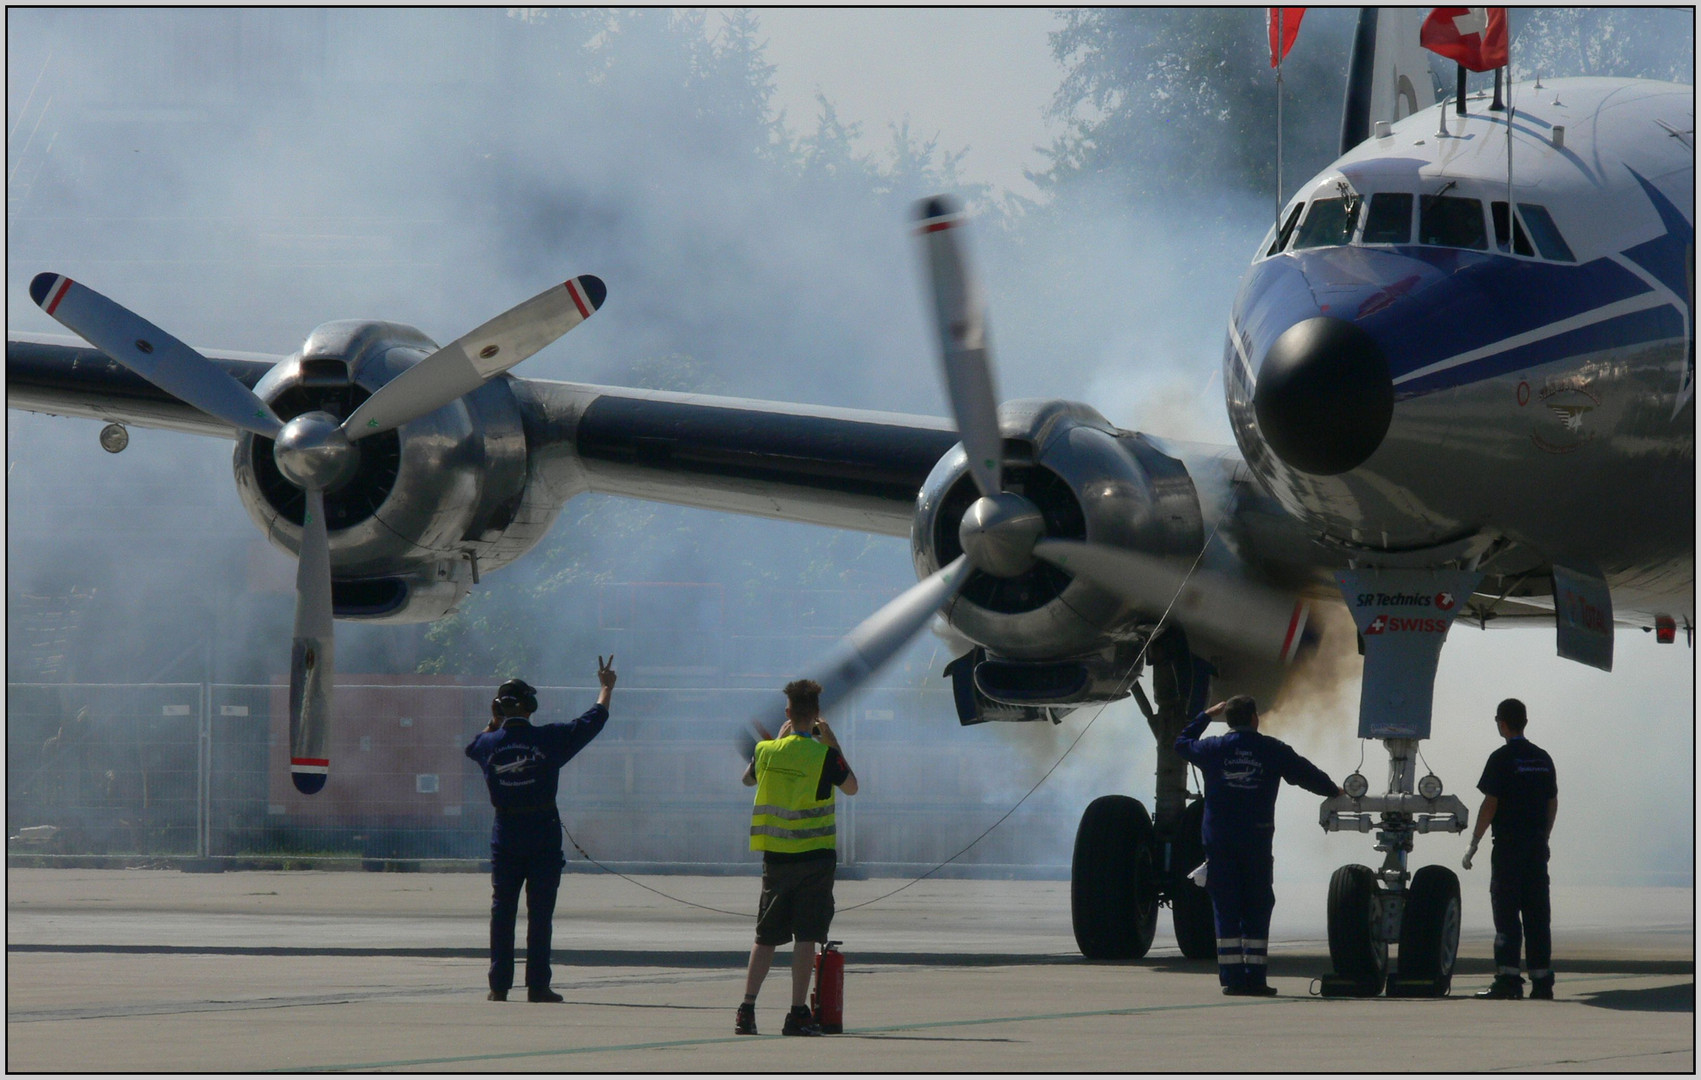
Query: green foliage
{"x": 1162, "y": 102}
{"x": 1631, "y": 43}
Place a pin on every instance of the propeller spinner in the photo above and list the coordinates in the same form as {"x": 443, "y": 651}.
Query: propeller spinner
{"x": 315, "y": 451}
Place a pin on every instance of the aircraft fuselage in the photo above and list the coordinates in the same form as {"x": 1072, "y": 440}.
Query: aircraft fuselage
{"x": 1406, "y": 372}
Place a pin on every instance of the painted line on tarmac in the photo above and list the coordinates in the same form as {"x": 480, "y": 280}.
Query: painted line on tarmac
{"x": 617, "y": 1048}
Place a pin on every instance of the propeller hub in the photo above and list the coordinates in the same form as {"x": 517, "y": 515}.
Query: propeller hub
{"x": 998, "y": 533}
{"x": 312, "y": 452}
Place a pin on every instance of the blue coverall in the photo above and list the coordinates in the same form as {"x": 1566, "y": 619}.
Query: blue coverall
{"x": 1243, "y": 771}
{"x": 522, "y": 764}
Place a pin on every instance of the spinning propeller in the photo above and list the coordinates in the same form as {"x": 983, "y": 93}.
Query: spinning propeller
{"x": 1003, "y": 533}
{"x": 315, "y": 451}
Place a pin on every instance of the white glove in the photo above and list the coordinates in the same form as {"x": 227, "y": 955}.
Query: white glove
{"x": 1466, "y": 861}
{"x": 1197, "y": 877}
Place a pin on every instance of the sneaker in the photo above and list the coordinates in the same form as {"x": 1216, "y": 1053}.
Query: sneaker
{"x": 543, "y": 996}
{"x": 745, "y": 1024}
{"x": 1503, "y": 988}
{"x": 800, "y": 1022}
{"x": 496, "y": 995}
{"x": 1541, "y": 989}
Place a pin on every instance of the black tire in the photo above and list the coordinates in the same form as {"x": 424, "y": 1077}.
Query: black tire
{"x": 1190, "y": 905}
{"x": 1354, "y": 910}
{"x": 1429, "y": 930}
{"x": 1113, "y": 890}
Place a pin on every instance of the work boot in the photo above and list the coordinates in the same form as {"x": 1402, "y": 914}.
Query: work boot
{"x": 800, "y": 1022}
{"x": 543, "y": 995}
{"x": 746, "y": 1022}
{"x": 496, "y": 995}
{"x": 1541, "y": 989}
{"x": 1503, "y": 988}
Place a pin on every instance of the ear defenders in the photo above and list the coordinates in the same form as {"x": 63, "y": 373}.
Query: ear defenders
{"x": 517, "y": 693}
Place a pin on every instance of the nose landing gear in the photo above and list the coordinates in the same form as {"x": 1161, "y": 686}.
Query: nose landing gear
{"x": 1402, "y": 618}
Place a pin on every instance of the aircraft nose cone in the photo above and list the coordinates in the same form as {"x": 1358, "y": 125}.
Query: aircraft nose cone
{"x": 1325, "y": 396}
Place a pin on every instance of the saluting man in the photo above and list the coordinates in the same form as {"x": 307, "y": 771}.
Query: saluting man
{"x": 522, "y": 764}
{"x": 1243, "y": 774}
{"x": 792, "y": 825}
{"x": 1520, "y": 798}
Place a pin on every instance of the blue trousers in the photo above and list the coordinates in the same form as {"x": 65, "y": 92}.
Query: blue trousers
{"x": 540, "y": 873}
{"x": 1238, "y": 881}
{"x": 1518, "y": 894}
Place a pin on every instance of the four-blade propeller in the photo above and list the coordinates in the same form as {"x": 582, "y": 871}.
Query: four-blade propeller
{"x": 316, "y": 450}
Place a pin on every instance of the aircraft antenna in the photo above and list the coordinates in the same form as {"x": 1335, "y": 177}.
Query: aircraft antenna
{"x": 1279, "y": 38}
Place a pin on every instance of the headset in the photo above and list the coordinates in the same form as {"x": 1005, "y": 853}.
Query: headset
{"x": 516, "y": 693}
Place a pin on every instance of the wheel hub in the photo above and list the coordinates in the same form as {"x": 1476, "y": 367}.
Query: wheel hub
{"x": 311, "y": 451}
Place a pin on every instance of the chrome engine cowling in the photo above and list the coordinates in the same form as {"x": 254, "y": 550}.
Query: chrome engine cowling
{"x": 421, "y": 502}
{"x": 1090, "y": 482}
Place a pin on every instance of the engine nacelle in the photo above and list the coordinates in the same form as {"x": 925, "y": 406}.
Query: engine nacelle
{"x": 425, "y": 499}
{"x": 1090, "y": 482}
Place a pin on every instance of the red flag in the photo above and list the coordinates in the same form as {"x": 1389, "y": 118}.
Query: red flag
{"x": 1284, "y": 24}
{"x": 1475, "y": 37}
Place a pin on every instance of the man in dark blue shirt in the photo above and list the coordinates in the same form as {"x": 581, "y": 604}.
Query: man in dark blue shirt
{"x": 1520, "y": 799}
{"x": 1243, "y": 771}
{"x": 522, "y": 764}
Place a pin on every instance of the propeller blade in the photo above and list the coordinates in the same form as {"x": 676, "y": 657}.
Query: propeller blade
{"x": 864, "y": 650}
{"x": 153, "y": 354}
{"x": 467, "y": 362}
{"x": 960, "y": 317}
{"x": 312, "y": 655}
{"x": 1222, "y": 607}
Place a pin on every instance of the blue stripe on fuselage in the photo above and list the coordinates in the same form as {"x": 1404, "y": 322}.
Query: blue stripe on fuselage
{"x": 1425, "y": 305}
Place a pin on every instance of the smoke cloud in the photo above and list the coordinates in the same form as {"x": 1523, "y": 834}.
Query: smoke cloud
{"x": 242, "y": 176}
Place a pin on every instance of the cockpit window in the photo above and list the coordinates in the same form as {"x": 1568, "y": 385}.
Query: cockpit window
{"x": 1546, "y": 233}
{"x": 1448, "y": 221}
{"x": 1520, "y": 243}
{"x": 1330, "y": 223}
{"x": 1286, "y": 231}
{"x": 1390, "y": 218}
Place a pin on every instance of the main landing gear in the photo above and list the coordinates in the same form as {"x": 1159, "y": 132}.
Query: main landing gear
{"x": 1129, "y": 863}
{"x": 1402, "y": 618}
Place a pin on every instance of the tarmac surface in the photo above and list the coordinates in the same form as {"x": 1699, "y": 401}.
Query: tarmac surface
{"x": 158, "y": 970}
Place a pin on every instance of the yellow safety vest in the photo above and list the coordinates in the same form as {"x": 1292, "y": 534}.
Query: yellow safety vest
{"x": 787, "y": 815}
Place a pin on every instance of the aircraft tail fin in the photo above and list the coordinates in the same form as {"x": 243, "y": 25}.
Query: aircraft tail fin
{"x": 1389, "y": 77}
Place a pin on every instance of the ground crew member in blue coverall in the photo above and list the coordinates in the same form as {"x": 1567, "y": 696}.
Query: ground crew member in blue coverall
{"x": 1243, "y": 771}
{"x": 1520, "y": 798}
{"x": 522, "y": 764}
{"x": 792, "y": 824}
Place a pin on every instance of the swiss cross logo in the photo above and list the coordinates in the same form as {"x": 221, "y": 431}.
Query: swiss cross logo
{"x": 1377, "y": 625}
{"x": 1444, "y": 601}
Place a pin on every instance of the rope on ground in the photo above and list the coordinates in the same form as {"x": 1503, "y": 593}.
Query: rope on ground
{"x": 1124, "y": 685}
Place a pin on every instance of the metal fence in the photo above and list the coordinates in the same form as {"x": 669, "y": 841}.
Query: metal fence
{"x": 201, "y": 769}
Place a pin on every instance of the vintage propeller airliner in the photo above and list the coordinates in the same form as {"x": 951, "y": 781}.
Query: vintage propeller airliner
{"x": 1460, "y": 374}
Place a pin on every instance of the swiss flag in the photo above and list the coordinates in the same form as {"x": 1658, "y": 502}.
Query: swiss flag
{"x": 1284, "y": 27}
{"x": 1475, "y": 37}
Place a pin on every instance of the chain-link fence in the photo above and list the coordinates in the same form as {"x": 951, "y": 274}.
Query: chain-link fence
{"x": 202, "y": 770}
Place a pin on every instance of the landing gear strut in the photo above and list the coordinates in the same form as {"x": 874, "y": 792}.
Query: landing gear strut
{"x": 1128, "y": 863}
{"x": 1402, "y": 618}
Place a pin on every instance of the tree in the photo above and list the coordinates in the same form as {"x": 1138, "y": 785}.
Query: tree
{"x": 1167, "y": 101}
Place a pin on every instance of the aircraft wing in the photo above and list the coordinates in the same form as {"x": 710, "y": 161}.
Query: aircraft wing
{"x": 67, "y": 377}
{"x": 846, "y": 468}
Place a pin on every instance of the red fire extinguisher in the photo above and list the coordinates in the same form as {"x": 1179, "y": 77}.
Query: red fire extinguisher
{"x": 828, "y": 1001}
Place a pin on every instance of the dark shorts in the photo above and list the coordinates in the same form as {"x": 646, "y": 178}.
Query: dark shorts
{"x": 797, "y": 901}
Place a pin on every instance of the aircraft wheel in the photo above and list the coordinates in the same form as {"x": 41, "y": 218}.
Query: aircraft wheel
{"x": 1355, "y": 910}
{"x": 1429, "y": 930}
{"x": 1190, "y": 905}
{"x": 1113, "y": 893}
